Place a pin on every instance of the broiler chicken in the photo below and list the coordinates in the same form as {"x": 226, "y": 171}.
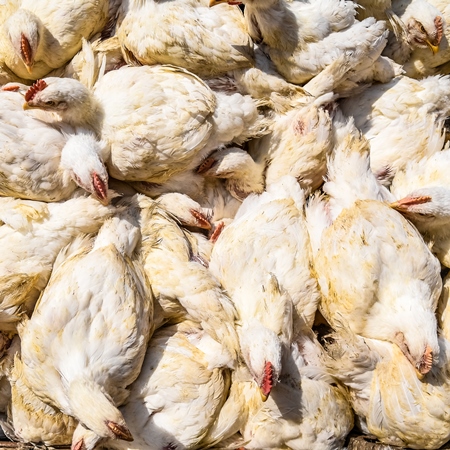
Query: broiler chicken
{"x": 422, "y": 62}
{"x": 178, "y": 272}
{"x": 414, "y": 24}
{"x": 162, "y": 120}
{"x": 391, "y": 403}
{"x": 34, "y": 420}
{"x": 42, "y": 36}
{"x": 267, "y": 289}
{"x": 43, "y": 158}
{"x": 298, "y": 144}
{"x": 307, "y": 408}
{"x": 180, "y": 390}
{"x": 185, "y": 33}
{"x": 97, "y": 289}
{"x": 220, "y": 183}
{"x": 395, "y": 293}
{"x": 303, "y": 37}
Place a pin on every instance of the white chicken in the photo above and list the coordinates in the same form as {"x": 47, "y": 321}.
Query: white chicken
{"x": 182, "y": 385}
{"x": 42, "y": 158}
{"x": 415, "y": 24}
{"x": 422, "y": 63}
{"x": 178, "y": 272}
{"x": 185, "y": 33}
{"x": 422, "y": 191}
{"x": 111, "y": 303}
{"x": 263, "y": 260}
{"x": 31, "y": 235}
{"x": 307, "y": 409}
{"x": 383, "y": 112}
{"x": 63, "y": 101}
{"x": 162, "y": 120}
{"x": 42, "y": 36}
{"x": 303, "y": 37}
{"x": 387, "y": 300}
{"x": 391, "y": 403}
{"x": 422, "y": 26}
{"x": 299, "y": 142}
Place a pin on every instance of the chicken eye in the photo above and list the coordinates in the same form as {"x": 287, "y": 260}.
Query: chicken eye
{"x": 51, "y": 103}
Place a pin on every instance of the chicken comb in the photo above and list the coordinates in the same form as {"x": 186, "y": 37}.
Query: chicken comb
{"x": 410, "y": 201}
{"x": 201, "y": 219}
{"x": 216, "y": 233}
{"x": 39, "y": 85}
{"x": 80, "y": 445}
{"x": 267, "y": 382}
{"x": 438, "y": 23}
{"x": 206, "y": 165}
{"x": 99, "y": 186}
{"x": 427, "y": 361}
{"x": 120, "y": 431}
{"x": 25, "y": 49}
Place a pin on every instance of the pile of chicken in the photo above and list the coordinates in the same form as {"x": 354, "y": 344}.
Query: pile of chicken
{"x": 224, "y": 226}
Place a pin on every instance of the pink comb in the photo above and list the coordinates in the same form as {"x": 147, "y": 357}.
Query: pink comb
{"x": 39, "y": 85}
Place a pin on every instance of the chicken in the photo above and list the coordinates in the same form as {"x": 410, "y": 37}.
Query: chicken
{"x": 299, "y": 142}
{"x": 385, "y": 111}
{"x": 185, "y": 33}
{"x": 391, "y": 403}
{"x": 267, "y": 290}
{"x": 414, "y": 24}
{"x": 64, "y": 101}
{"x": 42, "y": 36}
{"x": 178, "y": 272}
{"x": 303, "y": 37}
{"x": 307, "y": 409}
{"x": 422, "y": 63}
{"x": 421, "y": 26}
{"x": 423, "y": 196}
{"x": 180, "y": 390}
{"x": 32, "y": 234}
{"x": 44, "y": 160}
{"x": 395, "y": 294}
{"x": 168, "y": 121}
{"x": 111, "y": 304}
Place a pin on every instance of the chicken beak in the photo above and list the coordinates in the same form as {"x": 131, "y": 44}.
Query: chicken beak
{"x": 29, "y": 68}
{"x": 264, "y": 397}
{"x": 433, "y": 48}
{"x": 398, "y": 206}
{"x": 26, "y": 106}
